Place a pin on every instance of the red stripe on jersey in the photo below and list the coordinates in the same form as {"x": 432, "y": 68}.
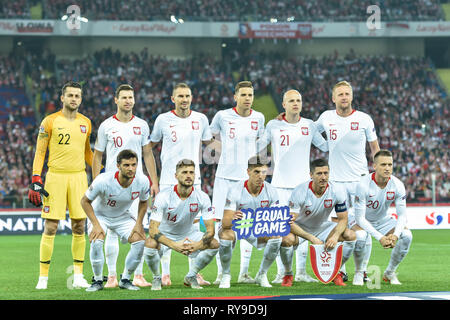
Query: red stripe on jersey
{"x": 284, "y": 118}
{"x": 173, "y": 111}
{"x": 310, "y": 187}
{"x": 235, "y": 110}
{"x": 115, "y": 117}
{"x": 176, "y": 191}
{"x": 246, "y": 187}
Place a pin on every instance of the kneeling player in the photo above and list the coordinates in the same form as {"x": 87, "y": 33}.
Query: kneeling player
{"x": 107, "y": 203}
{"x": 171, "y": 224}
{"x": 311, "y": 204}
{"x": 250, "y": 194}
{"x": 374, "y": 195}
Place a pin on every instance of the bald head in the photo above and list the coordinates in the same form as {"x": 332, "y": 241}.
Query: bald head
{"x": 291, "y": 93}
{"x": 292, "y": 102}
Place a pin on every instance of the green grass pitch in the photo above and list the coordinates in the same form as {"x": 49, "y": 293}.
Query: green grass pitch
{"x": 425, "y": 268}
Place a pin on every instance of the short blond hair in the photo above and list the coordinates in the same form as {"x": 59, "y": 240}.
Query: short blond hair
{"x": 341, "y": 84}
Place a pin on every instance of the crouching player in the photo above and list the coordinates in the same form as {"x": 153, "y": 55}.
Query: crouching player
{"x": 107, "y": 203}
{"x": 249, "y": 194}
{"x": 311, "y": 204}
{"x": 375, "y": 193}
{"x": 171, "y": 225}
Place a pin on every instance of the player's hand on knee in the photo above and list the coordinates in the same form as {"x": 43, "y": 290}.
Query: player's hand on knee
{"x": 238, "y": 215}
{"x": 97, "y": 233}
{"x": 385, "y": 242}
{"x": 36, "y": 188}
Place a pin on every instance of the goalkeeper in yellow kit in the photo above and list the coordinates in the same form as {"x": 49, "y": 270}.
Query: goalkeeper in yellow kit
{"x": 66, "y": 136}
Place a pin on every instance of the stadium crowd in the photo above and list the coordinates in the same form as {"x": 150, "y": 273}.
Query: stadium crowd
{"x": 231, "y": 10}
{"x": 402, "y": 94}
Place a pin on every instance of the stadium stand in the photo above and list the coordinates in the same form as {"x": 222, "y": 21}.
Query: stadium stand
{"x": 407, "y": 103}
{"x": 231, "y": 10}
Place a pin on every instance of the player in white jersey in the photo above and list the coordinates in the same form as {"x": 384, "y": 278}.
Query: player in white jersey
{"x": 374, "y": 195}
{"x": 347, "y": 132}
{"x": 171, "y": 224}
{"x": 107, "y": 204}
{"x": 182, "y": 132}
{"x": 120, "y": 132}
{"x": 238, "y": 129}
{"x": 311, "y": 203}
{"x": 248, "y": 194}
{"x": 291, "y": 140}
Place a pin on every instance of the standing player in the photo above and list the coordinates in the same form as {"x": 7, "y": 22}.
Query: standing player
{"x": 374, "y": 195}
{"x": 311, "y": 204}
{"x": 120, "y": 132}
{"x": 248, "y": 194}
{"x": 347, "y": 131}
{"x": 107, "y": 204}
{"x": 238, "y": 128}
{"x": 182, "y": 132}
{"x": 66, "y": 135}
{"x": 291, "y": 140}
{"x": 171, "y": 224}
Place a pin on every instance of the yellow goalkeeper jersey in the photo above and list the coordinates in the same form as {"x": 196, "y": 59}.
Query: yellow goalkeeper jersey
{"x": 67, "y": 142}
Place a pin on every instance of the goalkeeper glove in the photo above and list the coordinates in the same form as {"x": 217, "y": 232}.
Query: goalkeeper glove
{"x": 35, "y": 191}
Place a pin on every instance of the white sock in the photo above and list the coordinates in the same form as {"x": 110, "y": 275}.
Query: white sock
{"x": 270, "y": 253}
{"x": 152, "y": 259}
{"x": 111, "y": 251}
{"x": 280, "y": 266}
{"x": 301, "y": 255}
{"x": 225, "y": 252}
{"x": 133, "y": 258}
{"x": 367, "y": 252}
{"x": 246, "y": 255}
{"x": 347, "y": 250}
{"x": 400, "y": 250}
{"x": 201, "y": 261}
{"x": 286, "y": 256}
{"x": 140, "y": 268}
{"x": 359, "y": 250}
{"x": 165, "y": 261}
{"x": 97, "y": 259}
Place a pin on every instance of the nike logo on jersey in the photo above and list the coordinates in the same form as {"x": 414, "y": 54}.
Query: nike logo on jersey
{"x": 231, "y": 122}
{"x": 331, "y": 124}
{"x": 281, "y": 130}
{"x": 172, "y": 125}
{"x": 171, "y": 208}
{"x": 112, "y": 195}
{"x": 371, "y": 195}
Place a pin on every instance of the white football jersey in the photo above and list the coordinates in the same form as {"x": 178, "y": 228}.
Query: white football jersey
{"x": 291, "y": 146}
{"x": 238, "y": 137}
{"x": 114, "y": 136}
{"x": 112, "y": 200}
{"x": 347, "y": 137}
{"x": 372, "y": 203}
{"x": 181, "y": 139}
{"x": 177, "y": 216}
{"x": 240, "y": 198}
{"x": 314, "y": 211}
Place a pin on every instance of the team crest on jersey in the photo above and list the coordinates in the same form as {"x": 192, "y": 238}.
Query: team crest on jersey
{"x": 134, "y": 195}
{"x": 47, "y": 209}
{"x": 354, "y": 125}
{"x": 83, "y": 128}
{"x": 195, "y": 125}
{"x": 193, "y": 207}
{"x": 255, "y": 125}
{"x": 264, "y": 203}
{"x": 305, "y": 131}
{"x": 137, "y": 131}
{"x": 390, "y": 195}
{"x": 328, "y": 203}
